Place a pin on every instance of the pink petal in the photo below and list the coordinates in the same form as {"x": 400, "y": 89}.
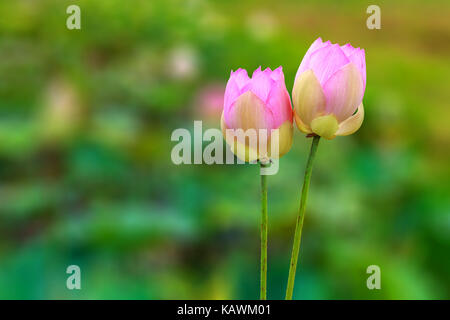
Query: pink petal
{"x": 277, "y": 74}
{"x": 357, "y": 56}
{"x": 348, "y": 49}
{"x": 249, "y": 112}
{"x": 240, "y": 77}
{"x": 257, "y": 71}
{"x": 268, "y": 93}
{"x": 326, "y": 61}
{"x": 344, "y": 92}
{"x": 232, "y": 92}
{"x": 261, "y": 83}
{"x": 304, "y": 65}
{"x": 359, "y": 59}
{"x": 279, "y": 103}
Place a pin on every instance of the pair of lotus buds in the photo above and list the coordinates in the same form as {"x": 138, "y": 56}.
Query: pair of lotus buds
{"x": 327, "y": 98}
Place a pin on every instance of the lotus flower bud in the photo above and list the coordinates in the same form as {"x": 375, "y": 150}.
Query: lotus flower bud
{"x": 328, "y": 90}
{"x": 260, "y": 103}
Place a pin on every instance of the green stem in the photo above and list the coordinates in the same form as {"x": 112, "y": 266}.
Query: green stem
{"x": 264, "y": 219}
{"x": 300, "y": 218}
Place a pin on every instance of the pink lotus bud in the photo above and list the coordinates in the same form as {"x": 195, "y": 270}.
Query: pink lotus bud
{"x": 260, "y": 102}
{"x": 329, "y": 88}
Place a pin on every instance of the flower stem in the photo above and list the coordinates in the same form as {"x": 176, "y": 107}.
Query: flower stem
{"x": 300, "y": 218}
{"x": 264, "y": 219}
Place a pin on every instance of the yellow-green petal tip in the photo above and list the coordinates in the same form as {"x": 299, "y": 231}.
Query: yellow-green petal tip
{"x": 325, "y": 126}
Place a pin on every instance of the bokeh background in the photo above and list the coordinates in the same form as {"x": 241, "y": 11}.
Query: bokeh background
{"x": 86, "y": 176}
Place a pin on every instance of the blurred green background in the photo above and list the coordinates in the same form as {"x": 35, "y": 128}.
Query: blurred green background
{"x": 86, "y": 176}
